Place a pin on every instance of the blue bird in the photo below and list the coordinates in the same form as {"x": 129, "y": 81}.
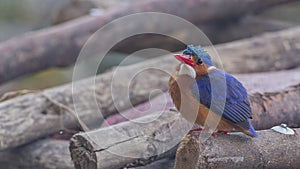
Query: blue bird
{"x": 198, "y": 83}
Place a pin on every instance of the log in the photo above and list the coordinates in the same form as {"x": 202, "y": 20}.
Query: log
{"x": 269, "y": 150}
{"x": 60, "y": 45}
{"x": 263, "y": 119}
{"x": 48, "y": 115}
{"x": 166, "y": 163}
{"x": 217, "y": 32}
{"x": 45, "y": 153}
{"x": 254, "y": 54}
{"x": 241, "y": 28}
{"x": 266, "y": 99}
{"x": 99, "y": 152}
{"x": 129, "y": 144}
{"x": 47, "y": 112}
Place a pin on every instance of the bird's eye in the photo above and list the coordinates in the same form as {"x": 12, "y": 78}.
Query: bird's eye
{"x": 199, "y": 61}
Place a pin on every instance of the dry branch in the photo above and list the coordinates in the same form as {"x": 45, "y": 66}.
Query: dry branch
{"x": 241, "y": 28}
{"x": 40, "y": 117}
{"x": 100, "y": 145}
{"x": 270, "y": 51}
{"x": 129, "y": 144}
{"x": 217, "y": 32}
{"x": 60, "y": 45}
{"x": 267, "y": 100}
{"x": 270, "y": 150}
{"x": 45, "y": 154}
{"x": 32, "y": 116}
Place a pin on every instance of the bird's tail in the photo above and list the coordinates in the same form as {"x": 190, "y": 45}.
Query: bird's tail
{"x": 251, "y": 132}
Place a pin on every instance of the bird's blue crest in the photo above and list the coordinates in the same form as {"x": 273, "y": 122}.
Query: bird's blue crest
{"x": 200, "y": 53}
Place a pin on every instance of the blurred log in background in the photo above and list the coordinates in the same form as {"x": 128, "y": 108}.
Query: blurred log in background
{"x": 31, "y": 122}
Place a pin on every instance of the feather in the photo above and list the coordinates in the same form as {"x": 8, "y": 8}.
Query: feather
{"x": 226, "y": 96}
{"x": 200, "y": 53}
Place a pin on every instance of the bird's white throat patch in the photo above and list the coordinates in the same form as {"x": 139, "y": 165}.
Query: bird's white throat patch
{"x": 187, "y": 70}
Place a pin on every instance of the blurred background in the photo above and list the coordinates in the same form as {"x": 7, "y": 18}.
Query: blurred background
{"x": 20, "y": 16}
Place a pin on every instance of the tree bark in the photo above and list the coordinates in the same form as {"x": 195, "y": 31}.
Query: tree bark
{"x": 241, "y": 28}
{"x": 99, "y": 151}
{"x": 266, "y": 99}
{"x": 217, "y": 32}
{"x": 46, "y": 154}
{"x": 270, "y": 51}
{"x": 40, "y": 116}
{"x": 269, "y": 150}
{"x": 38, "y": 112}
{"x": 129, "y": 144}
{"x": 60, "y": 45}
{"x": 267, "y": 113}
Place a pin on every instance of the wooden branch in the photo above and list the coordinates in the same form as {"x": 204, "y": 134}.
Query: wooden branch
{"x": 254, "y": 54}
{"x": 46, "y": 154}
{"x": 98, "y": 152}
{"x": 166, "y": 163}
{"x": 266, "y": 99}
{"x": 216, "y": 31}
{"x": 32, "y": 153}
{"x": 270, "y": 150}
{"x": 129, "y": 144}
{"x": 60, "y": 45}
{"x": 241, "y": 28}
{"x": 38, "y": 112}
{"x": 40, "y": 117}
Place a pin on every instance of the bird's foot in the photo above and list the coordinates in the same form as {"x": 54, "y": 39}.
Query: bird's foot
{"x": 199, "y": 129}
{"x": 214, "y": 134}
{"x": 173, "y": 109}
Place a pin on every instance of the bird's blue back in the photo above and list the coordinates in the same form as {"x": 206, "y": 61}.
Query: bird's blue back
{"x": 224, "y": 95}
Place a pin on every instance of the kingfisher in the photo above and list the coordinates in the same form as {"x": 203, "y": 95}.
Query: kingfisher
{"x": 208, "y": 96}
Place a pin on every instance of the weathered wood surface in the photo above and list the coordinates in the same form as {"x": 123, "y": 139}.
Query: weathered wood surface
{"x": 28, "y": 117}
{"x": 166, "y": 163}
{"x": 216, "y": 32}
{"x": 260, "y": 90}
{"x": 241, "y": 28}
{"x": 100, "y": 145}
{"x": 37, "y": 112}
{"x": 262, "y": 119}
{"x": 60, "y": 45}
{"x": 129, "y": 144}
{"x": 43, "y": 154}
{"x": 270, "y": 51}
{"x": 269, "y": 150}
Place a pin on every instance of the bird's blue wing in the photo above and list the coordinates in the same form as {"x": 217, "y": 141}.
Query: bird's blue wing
{"x": 226, "y": 96}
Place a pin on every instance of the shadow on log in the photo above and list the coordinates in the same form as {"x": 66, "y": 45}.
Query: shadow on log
{"x": 270, "y": 150}
{"x": 60, "y": 45}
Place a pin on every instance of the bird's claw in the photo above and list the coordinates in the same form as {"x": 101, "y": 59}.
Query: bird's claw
{"x": 214, "y": 134}
{"x": 173, "y": 109}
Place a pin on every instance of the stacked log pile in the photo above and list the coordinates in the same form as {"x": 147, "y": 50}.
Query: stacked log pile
{"x": 37, "y": 127}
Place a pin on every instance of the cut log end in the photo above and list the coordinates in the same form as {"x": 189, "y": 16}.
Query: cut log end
{"x": 82, "y": 153}
{"x": 188, "y": 152}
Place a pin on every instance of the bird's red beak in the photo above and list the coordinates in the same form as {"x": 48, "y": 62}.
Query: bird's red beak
{"x": 185, "y": 59}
